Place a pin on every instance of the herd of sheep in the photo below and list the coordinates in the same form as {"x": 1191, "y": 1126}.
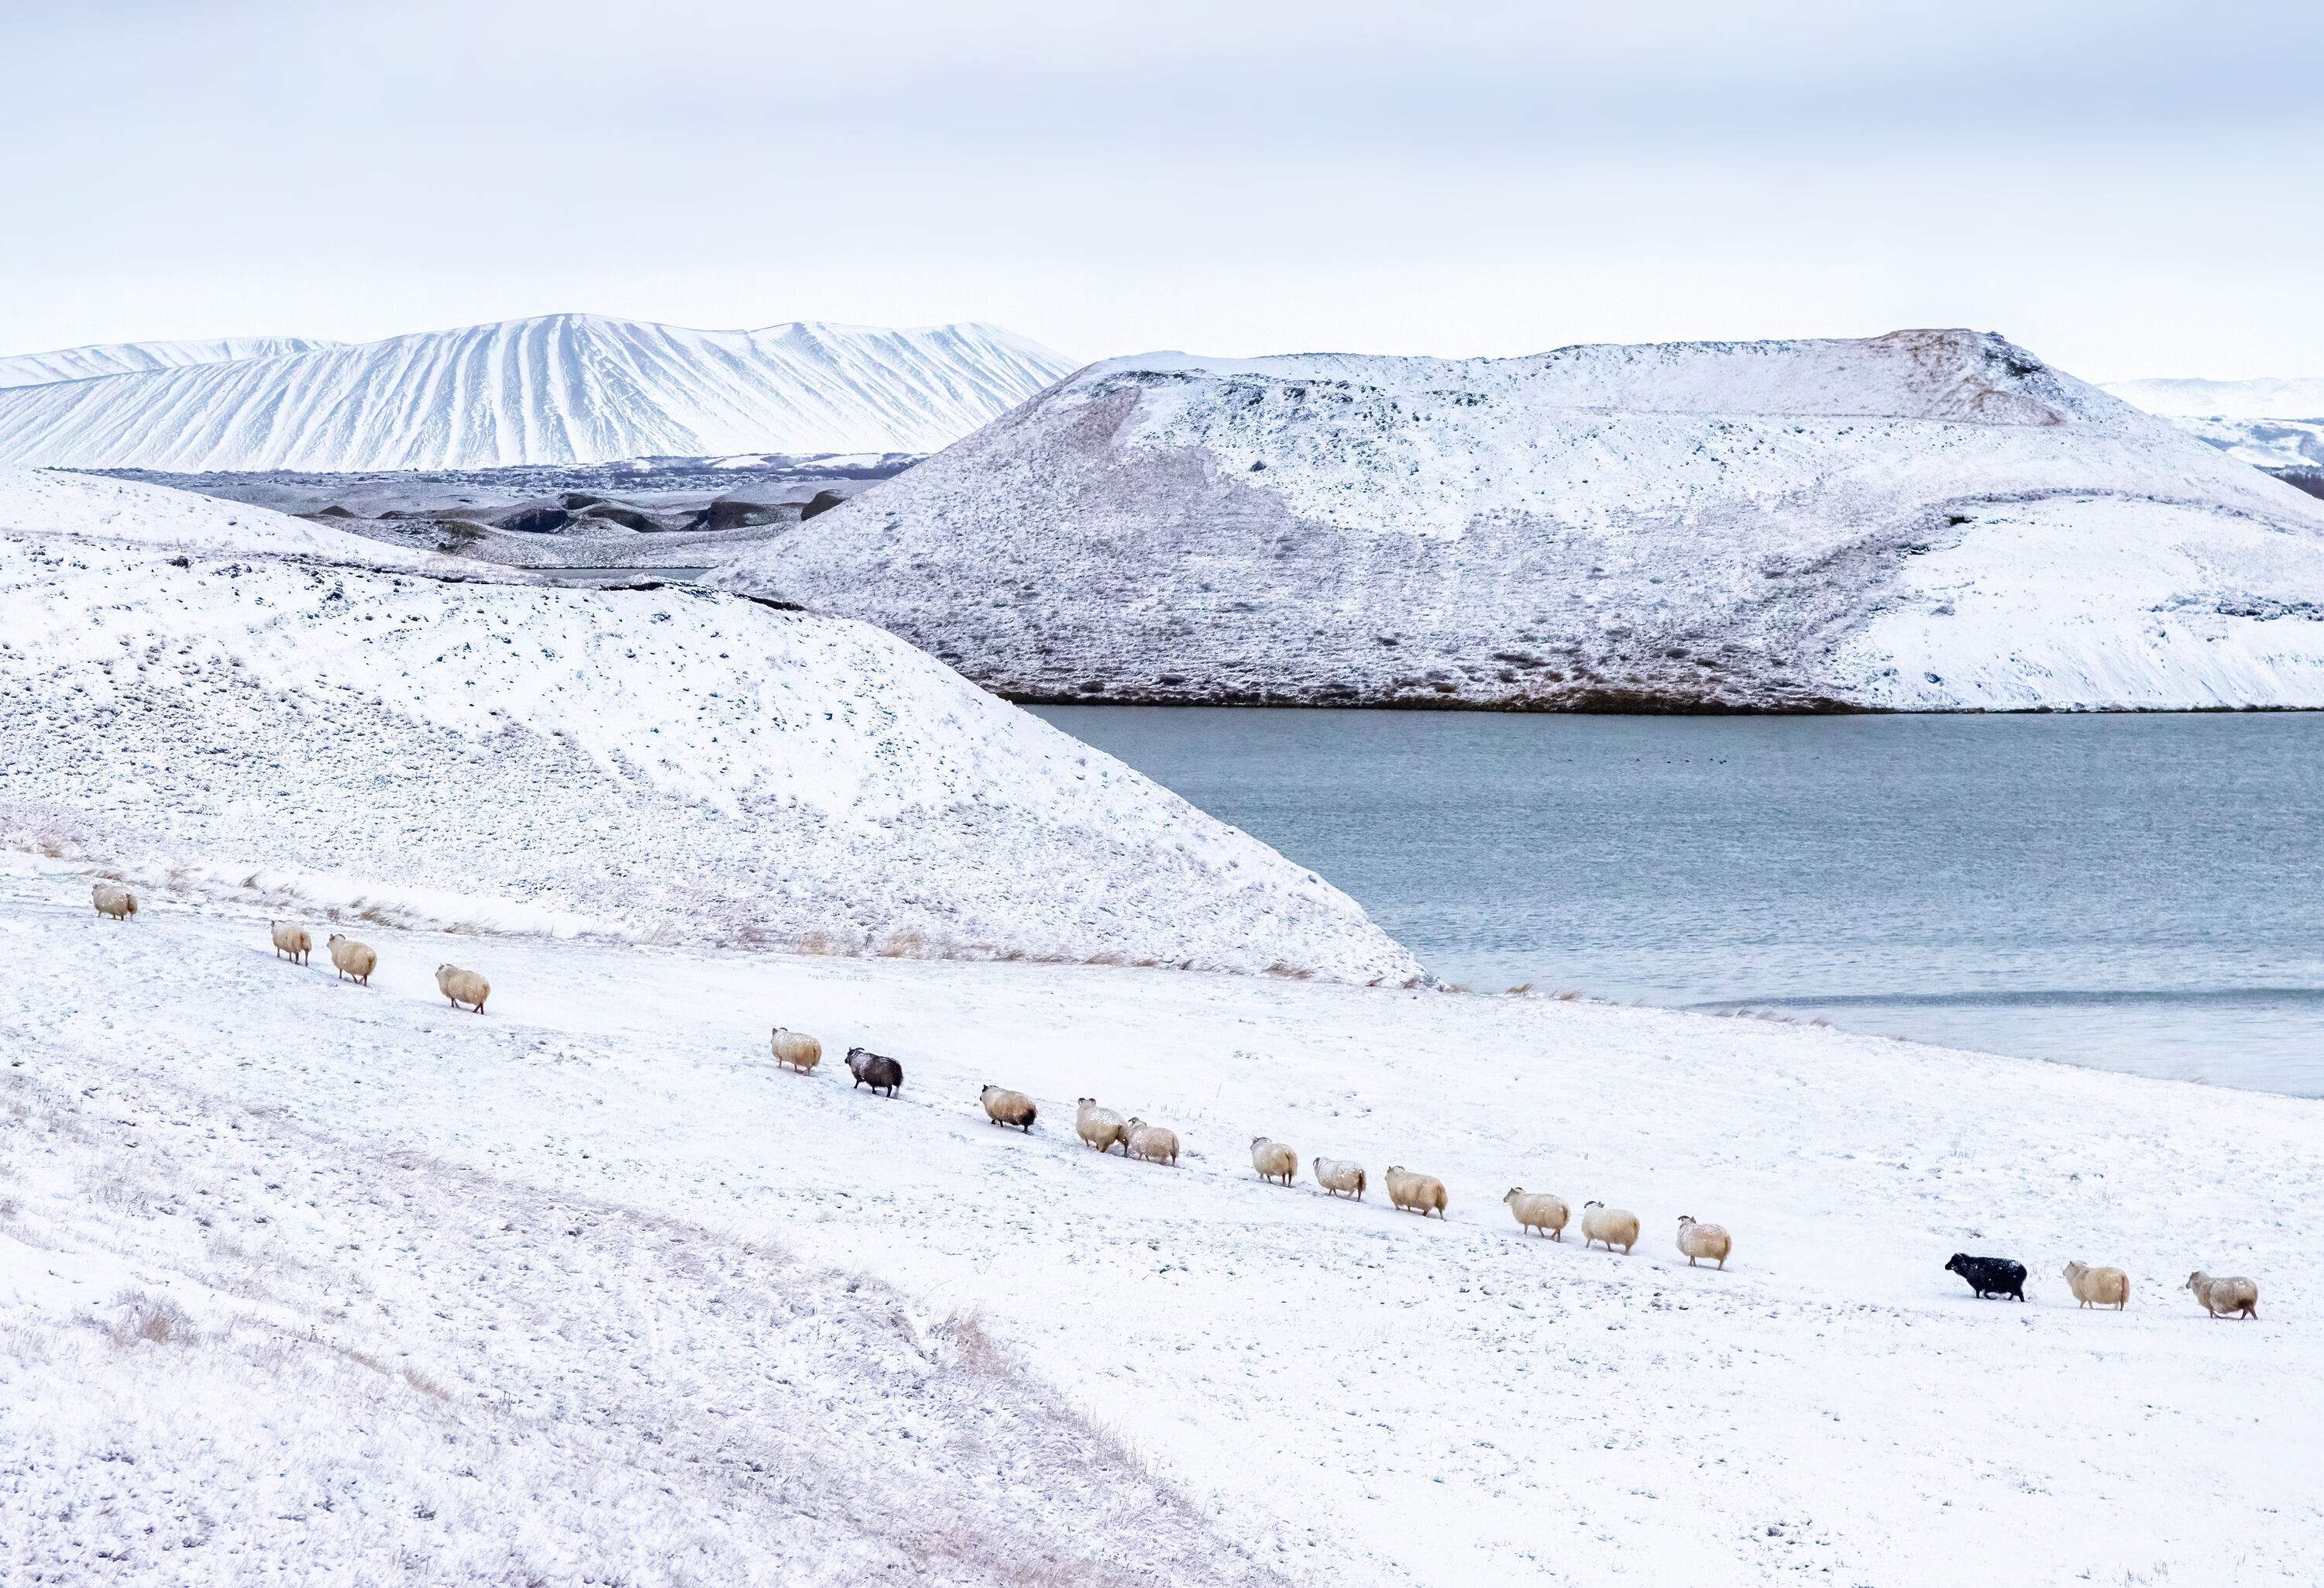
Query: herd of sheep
{"x": 1103, "y": 1130}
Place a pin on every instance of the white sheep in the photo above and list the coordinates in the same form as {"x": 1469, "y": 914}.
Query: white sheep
{"x": 353, "y": 960}
{"x": 1415, "y": 1192}
{"x": 1150, "y": 1142}
{"x": 1703, "y": 1240}
{"x": 2097, "y": 1287}
{"x": 1612, "y": 1225}
{"x": 1340, "y": 1176}
{"x": 796, "y": 1049}
{"x": 1538, "y": 1211}
{"x": 1274, "y": 1160}
{"x": 1004, "y": 1107}
{"x": 114, "y": 900}
{"x": 291, "y": 941}
{"x": 1101, "y": 1128}
{"x": 2223, "y": 1297}
{"x": 463, "y": 986}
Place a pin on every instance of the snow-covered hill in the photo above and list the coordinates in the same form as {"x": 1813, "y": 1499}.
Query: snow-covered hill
{"x": 114, "y": 358}
{"x": 2271, "y": 424}
{"x": 559, "y": 389}
{"x": 1928, "y": 519}
{"x": 304, "y": 1277}
{"x": 209, "y": 692}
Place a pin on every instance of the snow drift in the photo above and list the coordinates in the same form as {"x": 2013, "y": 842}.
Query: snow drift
{"x": 281, "y": 709}
{"x": 570, "y": 388}
{"x": 1928, "y": 519}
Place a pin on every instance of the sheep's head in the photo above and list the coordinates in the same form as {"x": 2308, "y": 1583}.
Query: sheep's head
{"x": 1086, "y": 1102}
{"x": 2195, "y": 1280}
{"x": 1594, "y": 1204}
{"x": 1515, "y": 1192}
{"x": 1685, "y": 1219}
{"x": 1957, "y": 1263}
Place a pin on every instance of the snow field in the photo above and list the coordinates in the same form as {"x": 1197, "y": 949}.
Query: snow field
{"x": 1350, "y": 1394}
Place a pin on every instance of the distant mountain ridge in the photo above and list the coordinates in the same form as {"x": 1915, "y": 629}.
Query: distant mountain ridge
{"x": 115, "y": 358}
{"x": 568, "y": 388}
{"x": 2276, "y": 423}
{"x": 1928, "y": 521}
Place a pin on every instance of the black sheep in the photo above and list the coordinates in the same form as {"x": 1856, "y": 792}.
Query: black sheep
{"x": 875, "y": 1070}
{"x": 1990, "y": 1276}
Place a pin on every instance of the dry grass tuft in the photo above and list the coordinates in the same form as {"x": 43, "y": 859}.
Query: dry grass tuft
{"x": 140, "y": 1315}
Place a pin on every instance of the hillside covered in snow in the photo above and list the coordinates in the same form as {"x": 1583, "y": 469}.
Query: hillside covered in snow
{"x": 211, "y": 697}
{"x": 2271, "y": 424}
{"x": 114, "y": 358}
{"x": 570, "y": 388}
{"x": 1926, "y": 520}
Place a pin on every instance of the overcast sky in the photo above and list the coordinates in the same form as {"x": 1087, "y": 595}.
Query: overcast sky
{"x": 2127, "y": 188}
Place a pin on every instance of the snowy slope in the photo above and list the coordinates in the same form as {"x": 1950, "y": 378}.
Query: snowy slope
{"x": 559, "y": 389}
{"x": 259, "y": 712}
{"x": 2272, "y": 424}
{"x": 502, "y": 1296}
{"x": 113, "y": 358}
{"x": 1722, "y": 525}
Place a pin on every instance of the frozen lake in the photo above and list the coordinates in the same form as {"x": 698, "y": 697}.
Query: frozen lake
{"x": 2137, "y": 892}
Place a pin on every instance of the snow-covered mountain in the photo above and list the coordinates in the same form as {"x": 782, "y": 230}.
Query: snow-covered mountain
{"x": 210, "y": 692}
{"x": 115, "y": 359}
{"x": 2271, "y": 424}
{"x": 568, "y": 388}
{"x": 1927, "y": 519}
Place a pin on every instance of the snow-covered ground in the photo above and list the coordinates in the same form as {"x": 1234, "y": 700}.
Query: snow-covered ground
{"x": 267, "y": 707}
{"x": 304, "y": 1280}
{"x": 1933, "y": 518}
{"x": 568, "y": 388}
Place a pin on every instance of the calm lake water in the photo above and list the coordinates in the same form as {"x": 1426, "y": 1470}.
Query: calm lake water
{"x": 2142, "y": 893}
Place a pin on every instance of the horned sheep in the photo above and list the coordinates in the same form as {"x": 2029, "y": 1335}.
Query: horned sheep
{"x": 1537, "y": 1211}
{"x": 1703, "y": 1240}
{"x": 114, "y": 900}
{"x": 2224, "y": 1297}
{"x": 1274, "y": 1160}
{"x": 1004, "y": 1107}
{"x": 1613, "y": 1226}
{"x": 1340, "y": 1176}
{"x": 1153, "y": 1143}
{"x": 1101, "y": 1128}
{"x": 463, "y": 986}
{"x": 794, "y": 1049}
{"x": 2097, "y": 1287}
{"x": 875, "y": 1070}
{"x": 1416, "y": 1193}
{"x": 291, "y": 941}
{"x": 355, "y": 961}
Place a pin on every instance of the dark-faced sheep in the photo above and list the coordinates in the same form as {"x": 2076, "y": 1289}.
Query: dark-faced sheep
{"x": 1004, "y": 1107}
{"x": 1274, "y": 1160}
{"x": 2224, "y": 1297}
{"x": 1989, "y": 1276}
{"x": 1710, "y": 1242}
{"x": 875, "y": 1070}
{"x": 463, "y": 987}
{"x": 1608, "y": 1226}
{"x": 1416, "y": 1193}
{"x": 114, "y": 900}
{"x": 1101, "y": 1128}
{"x": 794, "y": 1049}
{"x": 291, "y": 942}
{"x": 355, "y": 961}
